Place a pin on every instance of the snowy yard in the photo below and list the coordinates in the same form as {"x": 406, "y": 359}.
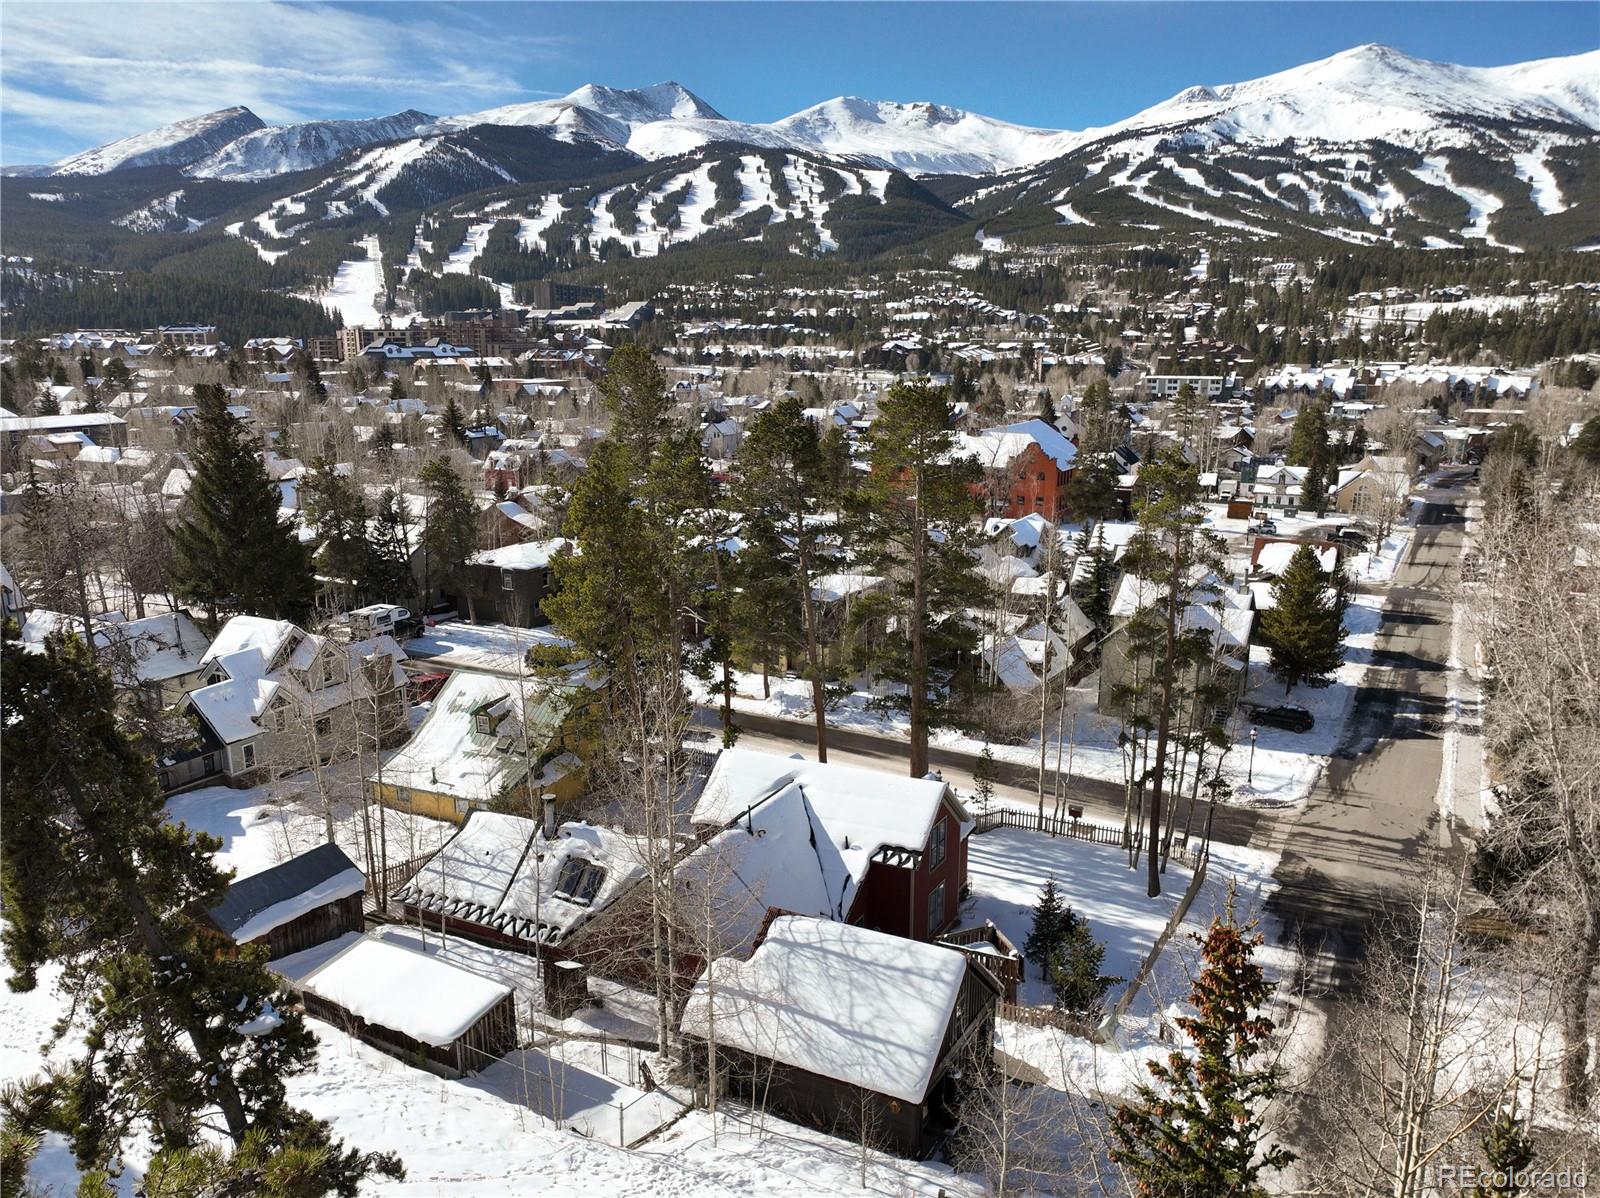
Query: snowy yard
{"x": 1007, "y": 874}
{"x": 1007, "y": 869}
{"x": 261, "y": 826}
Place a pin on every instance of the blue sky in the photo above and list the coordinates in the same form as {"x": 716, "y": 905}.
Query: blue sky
{"x": 105, "y": 71}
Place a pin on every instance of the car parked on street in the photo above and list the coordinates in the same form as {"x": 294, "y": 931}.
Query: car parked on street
{"x": 1286, "y": 716}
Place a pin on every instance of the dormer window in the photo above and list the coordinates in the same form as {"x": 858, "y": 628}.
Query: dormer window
{"x": 488, "y": 717}
{"x": 579, "y": 881}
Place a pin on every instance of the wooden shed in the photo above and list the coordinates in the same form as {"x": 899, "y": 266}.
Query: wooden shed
{"x": 413, "y": 1005}
{"x": 305, "y": 901}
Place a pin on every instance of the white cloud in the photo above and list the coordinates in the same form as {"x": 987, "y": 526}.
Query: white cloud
{"x": 77, "y": 75}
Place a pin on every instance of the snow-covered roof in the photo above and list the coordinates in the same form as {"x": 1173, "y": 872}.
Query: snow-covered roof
{"x": 837, "y": 1000}
{"x": 449, "y": 755}
{"x": 852, "y": 812}
{"x": 530, "y": 555}
{"x": 261, "y": 657}
{"x": 501, "y": 872}
{"x": 404, "y": 990}
{"x": 486, "y": 648}
{"x": 1002, "y": 445}
{"x": 830, "y": 588}
{"x": 257, "y": 904}
{"x": 1274, "y": 558}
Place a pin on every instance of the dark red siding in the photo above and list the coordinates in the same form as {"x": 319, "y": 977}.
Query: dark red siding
{"x": 883, "y": 902}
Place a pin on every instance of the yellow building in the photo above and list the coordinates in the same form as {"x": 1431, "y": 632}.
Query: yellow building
{"x": 489, "y": 740}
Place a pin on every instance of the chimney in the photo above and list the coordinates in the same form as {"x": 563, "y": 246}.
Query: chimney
{"x": 549, "y": 818}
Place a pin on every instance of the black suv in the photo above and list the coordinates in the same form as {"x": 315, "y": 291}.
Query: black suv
{"x": 1294, "y": 719}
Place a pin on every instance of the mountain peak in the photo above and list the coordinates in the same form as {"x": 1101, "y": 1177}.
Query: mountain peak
{"x": 176, "y": 144}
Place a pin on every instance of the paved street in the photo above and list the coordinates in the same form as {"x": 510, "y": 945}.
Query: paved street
{"x": 1361, "y": 830}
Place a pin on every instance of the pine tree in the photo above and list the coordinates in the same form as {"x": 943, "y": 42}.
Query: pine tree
{"x": 1049, "y": 926}
{"x": 766, "y": 613}
{"x": 336, "y": 511}
{"x": 1198, "y": 1130}
{"x": 451, "y": 536}
{"x": 48, "y": 404}
{"x": 388, "y": 571}
{"x": 181, "y": 1038}
{"x": 1173, "y": 554}
{"x": 1092, "y": 489}
{"x": 983, "y": 778}
{"x": 1092, "y": 591}
{"x": 1308, "y": 439}
{"x": 1507, "y": 1151}
{"x": 1314, "y": 487}
{"x": 912, "y": 524}
{"x": 230, "y": 550}
{"x": 1073, "y": 969}
{"x": 782, "y": 493}
{"x": 455, "y": 424}
{"x": 1304, "y": 628}
{"x": 311, "y": 376}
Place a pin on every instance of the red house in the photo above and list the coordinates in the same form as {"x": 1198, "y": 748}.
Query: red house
{"x": 853, "y": 845}
{"x": 1026, "y": 468}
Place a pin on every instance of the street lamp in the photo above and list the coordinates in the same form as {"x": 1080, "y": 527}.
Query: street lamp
{"x": 1250, "y": 776}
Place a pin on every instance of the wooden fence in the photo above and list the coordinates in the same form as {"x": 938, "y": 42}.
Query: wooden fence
{"x": 394, "y": 877}
{"x": 1078, "y": 829}
{"x": 1047, "y": 1017}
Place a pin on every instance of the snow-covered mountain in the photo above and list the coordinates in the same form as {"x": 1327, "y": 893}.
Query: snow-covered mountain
{"x": 1371, "y": 93}
{"x": 177, "y": 144}
{"x": 1366, "y": 94}
{"x": 920, "y": 138}
{"x": 278, "y": 149}
{"x": 608, "y": 113}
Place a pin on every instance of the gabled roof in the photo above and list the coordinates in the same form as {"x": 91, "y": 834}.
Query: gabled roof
{"x": 392, "y": 985}
{"x": 1002, "y": 445}
{"x": 839, "y": 1001}
{"x": 850, "y": 813}
{"x": 500, "y": 871}
{"x": 448, "y": 755}
{"x": 256, "y": 905}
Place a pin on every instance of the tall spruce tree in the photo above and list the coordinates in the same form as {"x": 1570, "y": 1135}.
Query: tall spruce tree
{"x": 337, "y": 512}
{"x": 1198, "y": 1131}
{"x": 1092, "y": 489}
{"x": 1308, "y": 439}
{"x": 782, "y": 494}
{"x": 1304, "y": 628}
{"x": 455, "y": 424}
{"x": 451, "y": 534}
{"x": 182, "y": 1043}
{"x": 1049, "y": 922}
{"x": 230, "y": 550}
{"x": 912, "y": 524}
{"x": 389, "y": 574}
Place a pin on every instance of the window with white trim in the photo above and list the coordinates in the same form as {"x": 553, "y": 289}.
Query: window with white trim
{"x": 936, "y": 909}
